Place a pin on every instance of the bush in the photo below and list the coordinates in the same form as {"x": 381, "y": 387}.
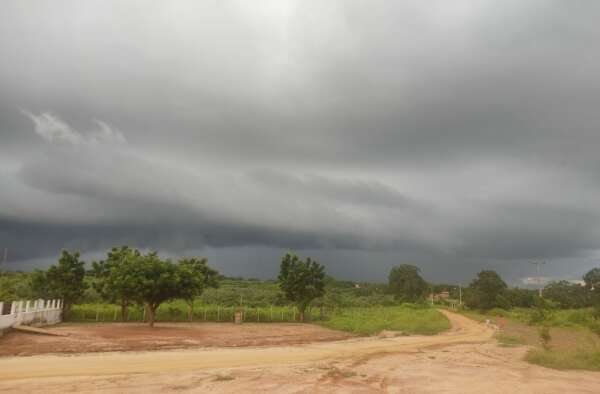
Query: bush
{"x": 545, "y": 337}
{"x": 595, "y": 328}
{"x": 499, "y": 312}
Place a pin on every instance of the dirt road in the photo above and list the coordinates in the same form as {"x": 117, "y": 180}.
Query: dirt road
{"x": 464, "y": 330}
{"x": 461, "y": 360}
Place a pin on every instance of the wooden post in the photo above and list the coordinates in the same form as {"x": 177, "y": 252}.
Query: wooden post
{"x": 205, "y": 313}
{"x": 282, "y": 315}
{"x": 218, "y": 312}
{"x": 271, "y": 312}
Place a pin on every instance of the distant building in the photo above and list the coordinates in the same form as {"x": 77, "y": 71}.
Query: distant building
{"x": 443, "y": 295}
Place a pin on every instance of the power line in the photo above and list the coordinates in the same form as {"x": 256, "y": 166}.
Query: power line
{"x": 538, "y": 278}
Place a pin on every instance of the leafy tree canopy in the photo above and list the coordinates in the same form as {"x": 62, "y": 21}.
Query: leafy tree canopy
{"x": 592, "y": 278}
{"x": 114, "y": 283}
{"x": 488, "y": 290}
{"x": 406, "y": 283}
{"x": 301, "y": 281}
{"x": 64, "y": 280}
{"x": 194, "y": 275}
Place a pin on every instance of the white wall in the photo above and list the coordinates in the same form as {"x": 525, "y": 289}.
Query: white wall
{"x": 32, "y": 312}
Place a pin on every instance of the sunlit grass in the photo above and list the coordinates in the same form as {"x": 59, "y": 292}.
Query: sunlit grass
{"x": 588, "y": 359}
{"x": 369, "y": 321}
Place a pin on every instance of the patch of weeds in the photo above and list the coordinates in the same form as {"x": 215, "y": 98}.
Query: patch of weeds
{"x": 576, "y": 359}
{"x": 506, "y": 340}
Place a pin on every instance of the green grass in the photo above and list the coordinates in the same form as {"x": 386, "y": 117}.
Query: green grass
{"x": 369, "y": 321}
{"x": 176, "y": 311}
{"x": 574, "y": 342}
{"x": 587, "y": 359}
{"x": 509, "y": 340}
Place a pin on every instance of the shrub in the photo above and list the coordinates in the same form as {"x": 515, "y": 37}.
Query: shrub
{"x": 545, "y": 337}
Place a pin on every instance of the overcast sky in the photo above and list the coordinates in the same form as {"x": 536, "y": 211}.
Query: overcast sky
{"x": 453, "y": 135}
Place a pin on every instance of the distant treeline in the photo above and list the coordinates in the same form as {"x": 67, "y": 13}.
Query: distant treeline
{"x": 128, "y": 277}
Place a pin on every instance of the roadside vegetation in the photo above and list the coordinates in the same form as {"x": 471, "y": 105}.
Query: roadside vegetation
{"x": 406, "y": 319}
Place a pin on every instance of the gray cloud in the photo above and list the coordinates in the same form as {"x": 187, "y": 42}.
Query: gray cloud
{"x": 455, "y": 135}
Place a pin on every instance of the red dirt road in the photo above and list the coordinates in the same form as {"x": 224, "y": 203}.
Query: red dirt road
{"x": 463, "y": 360}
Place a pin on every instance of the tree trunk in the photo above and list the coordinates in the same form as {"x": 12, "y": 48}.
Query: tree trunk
{"x": 66, "y": 311}
{"x": 124, "y": 310}
{"x": 151, "y": 310}
{"x": 190, "y": 310}
{"x": 302, "y": 315}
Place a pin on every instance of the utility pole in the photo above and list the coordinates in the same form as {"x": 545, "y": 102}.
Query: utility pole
{"x": 538, "y": 278}
{"x": 459, "y": 294}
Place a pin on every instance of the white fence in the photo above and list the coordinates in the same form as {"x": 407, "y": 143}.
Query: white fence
{"x": 31, "y": 312}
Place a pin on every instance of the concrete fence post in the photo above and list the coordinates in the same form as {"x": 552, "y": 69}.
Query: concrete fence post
{"x": 1, "y": 307}
{"x": 27, "y": 305}
{"x": 13, "y": 308}
{"x": 21, "y": 307}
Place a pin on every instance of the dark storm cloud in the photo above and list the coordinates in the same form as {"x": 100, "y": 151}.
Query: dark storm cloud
{"x": 455, "y": 135}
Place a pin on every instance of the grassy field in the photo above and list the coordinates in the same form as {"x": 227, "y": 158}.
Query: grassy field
{"x": 573, "y": 345}
{"x": 409, "y": 319}
{"x": 405, "y": 318}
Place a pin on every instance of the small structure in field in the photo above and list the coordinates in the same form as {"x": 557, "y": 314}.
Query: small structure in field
{"x": 237, "y": 317}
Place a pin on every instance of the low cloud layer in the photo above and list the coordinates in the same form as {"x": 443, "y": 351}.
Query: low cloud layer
{"x": 454, "y": 136}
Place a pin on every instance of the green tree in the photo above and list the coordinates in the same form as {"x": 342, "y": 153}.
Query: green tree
{"x": 153, "y": 281}
{"x": 15, "y": 286}
{"x": 406, "y": 283}
{"x": 592, "y": 283}
{"x": 592, "y": 278}
{"x": 301, "y": 281}
{"x": 523, "y": 298}
{"x": 566, "y": 294}
{"x": 113, "y": 280}
{"x": 488, "y": 289}
{"x": 64, "y": 280}
{"x": 542, "y": 311}
{"x": 194, "y": 275}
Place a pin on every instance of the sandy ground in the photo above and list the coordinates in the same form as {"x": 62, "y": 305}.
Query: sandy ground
{"x": 87, "y": 338}
{"x": 463, "y": 360}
